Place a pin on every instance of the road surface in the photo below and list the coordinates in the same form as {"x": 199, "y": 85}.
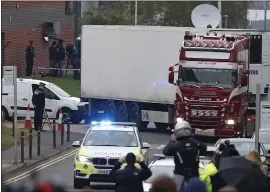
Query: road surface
{"x": 61, "y": 168}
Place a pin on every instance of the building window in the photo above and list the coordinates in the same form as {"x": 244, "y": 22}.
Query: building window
{"x": 68, "y": 8}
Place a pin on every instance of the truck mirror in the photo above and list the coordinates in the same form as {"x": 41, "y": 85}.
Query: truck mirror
{"x": 171, "y": 68}
{"x": 244, "y": 80}
{"x": 171, "y": 77}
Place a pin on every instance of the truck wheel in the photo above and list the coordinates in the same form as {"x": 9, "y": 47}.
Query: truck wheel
{"x": 122, "y": 115}
{"x": 243, "y": 127}
{"x": 134, "y": 115}
{"x": 4, "y": 114}
{"x": 110, "y": 110}
{"x": 161, "y": 126}
{"x": 78, "y": 183}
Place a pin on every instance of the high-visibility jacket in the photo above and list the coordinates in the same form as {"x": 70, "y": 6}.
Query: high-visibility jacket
{"x": 137, "y": 165}
{"x": 205, "y": 174}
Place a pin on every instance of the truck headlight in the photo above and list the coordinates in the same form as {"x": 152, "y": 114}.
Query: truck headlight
{"x": 229, "y": 122}
{"x": 81, "y": 158}
{"x": 179, "y": 119}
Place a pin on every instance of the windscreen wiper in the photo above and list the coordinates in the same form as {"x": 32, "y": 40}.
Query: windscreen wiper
{"x": 220, "y": 87}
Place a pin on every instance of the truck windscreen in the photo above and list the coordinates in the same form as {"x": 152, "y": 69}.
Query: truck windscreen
{"x": 206, "y": 77}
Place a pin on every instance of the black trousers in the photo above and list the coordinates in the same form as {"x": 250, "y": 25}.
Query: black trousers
{"x": 38, "y": 119}
{"x": 29, "y": 66}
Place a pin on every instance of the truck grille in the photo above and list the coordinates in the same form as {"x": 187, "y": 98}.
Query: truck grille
{"x": 99, "y": 161}
{"x": 112, "y": 161}
{"x": 205, "y": 123}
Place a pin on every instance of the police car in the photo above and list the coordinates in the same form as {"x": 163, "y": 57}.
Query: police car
{"x": 103, "y": 145}
{"x": 164, "y": 166}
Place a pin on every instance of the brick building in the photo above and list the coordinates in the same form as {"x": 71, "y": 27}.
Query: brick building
{"x": 23, "y": 21}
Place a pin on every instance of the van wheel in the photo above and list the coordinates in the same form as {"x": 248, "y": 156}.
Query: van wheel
{"x": 66, "y": 114}
{"x": 4, "y": 114}
{"x": 122, "y": 115}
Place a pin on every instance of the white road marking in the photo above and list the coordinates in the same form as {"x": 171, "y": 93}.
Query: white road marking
{"x": 161, "y": 147}
{"x": 40, "y": 167}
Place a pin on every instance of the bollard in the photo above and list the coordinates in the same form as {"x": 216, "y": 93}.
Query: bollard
{"x": 38, "y": 143}
{"x": 54, "y": 134}
{"x": 62, "y": 134}
{"x": 22, "y": 147}
{"x": 68, "y": 129}
{"x": 13, "y": 125}
{"x": 30, "y": 143}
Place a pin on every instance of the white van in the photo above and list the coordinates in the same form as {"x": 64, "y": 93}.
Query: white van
{"x": 56, "y": 98}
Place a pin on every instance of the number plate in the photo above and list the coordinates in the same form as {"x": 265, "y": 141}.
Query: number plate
{"x": 104, "y": 171}
{"x": 207, "y": 132}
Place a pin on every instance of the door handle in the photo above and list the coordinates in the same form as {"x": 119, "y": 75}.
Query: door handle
{"x": 25, "y": 99}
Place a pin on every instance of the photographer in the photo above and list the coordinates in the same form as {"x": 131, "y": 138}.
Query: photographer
{"x": 130, "y": 178}
{"x": 38, "y": 101}
{"x": 186, "y": 151}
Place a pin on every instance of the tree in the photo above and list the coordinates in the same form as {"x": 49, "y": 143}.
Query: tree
{"x": 164, "y": 13}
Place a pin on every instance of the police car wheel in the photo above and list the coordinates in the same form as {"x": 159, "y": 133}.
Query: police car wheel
{"x": 78, "y": 183}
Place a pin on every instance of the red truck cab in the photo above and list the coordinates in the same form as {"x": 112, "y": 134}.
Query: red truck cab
{"x": 212, "y": 84}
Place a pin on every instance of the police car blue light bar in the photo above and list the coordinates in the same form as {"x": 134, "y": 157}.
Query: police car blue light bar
{"x": 112, "y": 123}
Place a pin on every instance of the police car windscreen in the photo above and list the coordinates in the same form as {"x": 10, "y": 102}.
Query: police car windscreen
{"x": 111, "y": 138}
{"x": 158, "y": 171}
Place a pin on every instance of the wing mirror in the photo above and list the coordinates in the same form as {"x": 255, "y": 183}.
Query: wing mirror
{"x": 171, "y": 75}
{"x": 146, "y": 146}
{"x": 76, "y": 144}
{"x": 244, "y": 79}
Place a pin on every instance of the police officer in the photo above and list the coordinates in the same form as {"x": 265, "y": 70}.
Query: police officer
{"x": 38, "y": 101}
{"x": 130, "y": 178}
{"x": 29, "y": 57}
{"x": 186, "y": 151}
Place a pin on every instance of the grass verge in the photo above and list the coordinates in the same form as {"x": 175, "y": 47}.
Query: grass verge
{"x": 71, "y": 86}
{"x": 7, "y": 139}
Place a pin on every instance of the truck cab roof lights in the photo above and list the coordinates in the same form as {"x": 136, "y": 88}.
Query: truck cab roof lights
{"x": 204, "y": 43}
{"x": 219, "y": 44}
{"x": 188, "y": 43}
{"x": 196, "y": 43}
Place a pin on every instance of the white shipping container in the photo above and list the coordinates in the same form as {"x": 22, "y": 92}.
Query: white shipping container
{"x": 129, "y": 62}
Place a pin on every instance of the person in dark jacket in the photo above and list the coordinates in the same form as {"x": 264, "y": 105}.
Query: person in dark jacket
{"x": 186, "y": 151}
{"x": 29, "y": 57}
{"x": 130, "y": 178}
{"x": 224, "y": 150}
{"x": 61, "y": 54}
{"x": 53, "y": 58}
{"x": 38, "y": 101}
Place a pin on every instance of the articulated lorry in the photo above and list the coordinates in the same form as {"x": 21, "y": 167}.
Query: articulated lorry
{"x": 124, "y": 73}
{"x": 216, "y": 79}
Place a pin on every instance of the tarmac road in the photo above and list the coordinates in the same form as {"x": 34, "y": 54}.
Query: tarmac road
{"x": 61, "y": 168}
